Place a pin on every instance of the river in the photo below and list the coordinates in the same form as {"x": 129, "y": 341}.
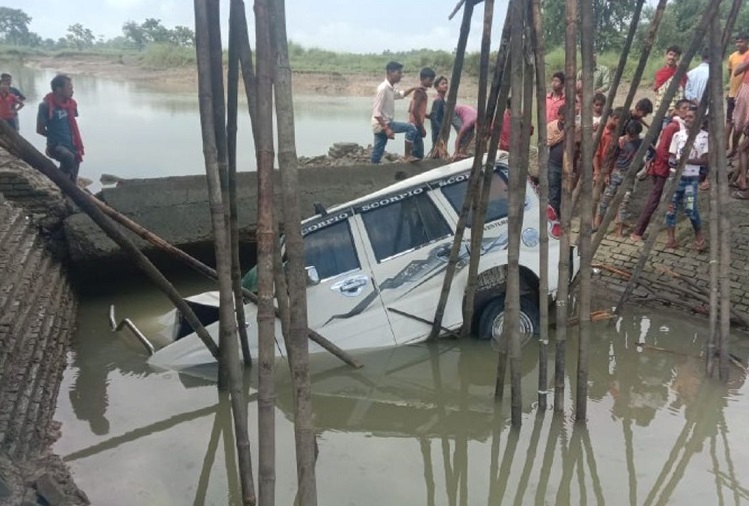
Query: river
{"x": 416, "y": 425}
{"x": 132, "y": 131}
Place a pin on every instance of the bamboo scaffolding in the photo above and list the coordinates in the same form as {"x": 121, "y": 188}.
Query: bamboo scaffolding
{"x": 639, "y": 157}
{"x": 266, "y": 244}
{"x": 566, "y": 207}
{"x": 539, "y": 50}
{"x": 586, "y": 215}
{"x": 20, "y": 147}
{"x": 208, "y": 45}
{"x": 231, "y": 146}
{"x": 439, "y": 150}
{"x": 306, "y": 446}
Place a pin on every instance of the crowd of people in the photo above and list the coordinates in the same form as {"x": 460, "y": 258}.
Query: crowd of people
{"x": 614, "y": 156}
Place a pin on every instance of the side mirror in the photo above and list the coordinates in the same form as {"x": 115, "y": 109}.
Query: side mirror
{"x": 313, "y": 278}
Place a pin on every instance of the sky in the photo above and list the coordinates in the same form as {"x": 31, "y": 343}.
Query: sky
{"x": 359, "y": 26}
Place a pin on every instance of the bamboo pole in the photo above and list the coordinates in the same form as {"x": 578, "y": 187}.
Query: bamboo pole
{"x": 231, "y": 146}
{"x": 440, "y": 149}
{"x": 717, "y": 131}
{"x": 516, "y": 199}
{"x": 539, "y": 50}
{"x": 210, "y": 273}
{"x": 715, "y": 246}
{"x": 296, "y": 276}
{"x": 495, "y": 109}
{"x": 671, "y": 184}
{"x": 566, "y": 207}
{"x": 266, "y": 242}
{"x": 206, "y": 23}
{"x": 482, "y": 128}
{"x": 638, "y": 160}
{"x": 20, "y": 147}
{"x": 586, "y": 214}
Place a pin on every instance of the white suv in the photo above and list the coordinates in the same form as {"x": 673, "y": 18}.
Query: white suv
{"x": 376, "y": 266}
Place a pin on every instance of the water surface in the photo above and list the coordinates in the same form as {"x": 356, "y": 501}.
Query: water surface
{"x": 416, "y": 425}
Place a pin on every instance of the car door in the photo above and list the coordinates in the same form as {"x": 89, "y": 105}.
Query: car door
{"x": 344, "y": 304}
{"x": 408, "y": 242}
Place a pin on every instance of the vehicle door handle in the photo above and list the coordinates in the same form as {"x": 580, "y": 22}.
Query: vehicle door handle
{"x": 351, "y": 287}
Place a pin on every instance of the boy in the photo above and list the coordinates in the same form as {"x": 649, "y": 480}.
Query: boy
{"x": 468, "y": 116}
{"x": 627, "y": 151}
{"x": 10, "y": 104}
{"x": 417, "y": 111}
{"x": 686, "y": 192}
{"x": 438, "y": 110}
{"x": 599, "y": 101}
{"x": 555, "y": 141}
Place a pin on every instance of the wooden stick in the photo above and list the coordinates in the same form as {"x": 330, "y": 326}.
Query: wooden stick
{"x": 20, "y": 147}
{"x": 539, "y": 50}
{"x": 423, "y": 320}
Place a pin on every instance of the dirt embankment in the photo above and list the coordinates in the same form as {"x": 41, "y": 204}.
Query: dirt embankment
{"x": 185, "y": 79}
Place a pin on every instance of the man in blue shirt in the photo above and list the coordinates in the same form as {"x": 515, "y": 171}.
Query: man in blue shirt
{"x": 697, "y": 79}
{"x": 57, "y": 122}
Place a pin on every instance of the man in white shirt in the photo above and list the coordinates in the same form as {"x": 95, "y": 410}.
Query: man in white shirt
{"x": 697, "y": 79}
{"x": 384, "y": 125}
{"x": 687, "y": 190}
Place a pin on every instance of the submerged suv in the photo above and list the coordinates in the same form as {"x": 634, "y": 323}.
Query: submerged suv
{"x": 376, "y": 266}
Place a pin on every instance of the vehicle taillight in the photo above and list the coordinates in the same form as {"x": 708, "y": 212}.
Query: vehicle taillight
{"x": 551, "y": 214}
{"x": 555, "y": 230}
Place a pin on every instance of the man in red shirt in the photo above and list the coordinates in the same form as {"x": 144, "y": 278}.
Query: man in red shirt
{"x": 660, "y": 169}
{"x": 556, "y": 97}
{"x": 10, "y": 104}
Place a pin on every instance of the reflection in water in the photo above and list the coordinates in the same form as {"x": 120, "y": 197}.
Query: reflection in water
{"x": 420, "y": 419}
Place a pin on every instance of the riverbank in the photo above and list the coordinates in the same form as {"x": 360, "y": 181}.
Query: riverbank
{"x": 184, "y": 79}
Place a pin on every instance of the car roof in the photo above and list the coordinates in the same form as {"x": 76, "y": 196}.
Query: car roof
{"x": 425, "y": 177}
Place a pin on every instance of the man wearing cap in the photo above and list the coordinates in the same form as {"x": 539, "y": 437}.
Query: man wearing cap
{"x": 383, "y": 113}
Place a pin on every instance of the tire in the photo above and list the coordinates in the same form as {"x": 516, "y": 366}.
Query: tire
{"x": 492, "y": 318}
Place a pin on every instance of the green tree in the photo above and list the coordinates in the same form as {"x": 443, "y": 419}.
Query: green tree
{"x": 80, "y": 37}
{"x": 14, "y": 26}
{"x": 182, "y": 36}
{"x": 134, "y": 33}
{"x": 154, "y": 31}
{"x": 611, "y": 20}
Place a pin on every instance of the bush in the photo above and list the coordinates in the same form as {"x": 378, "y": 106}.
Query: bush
{"x": 167, "y": 56}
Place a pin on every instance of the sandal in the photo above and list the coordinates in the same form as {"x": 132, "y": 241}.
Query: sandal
{"x": 740, "y": 194}
{"x": 701, "y": 245}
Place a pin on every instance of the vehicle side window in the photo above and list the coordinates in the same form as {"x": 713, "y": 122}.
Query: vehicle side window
{"x": 404, "y": 225}
{"x": 497, "y": 207}
{"x": 331, "y": 250}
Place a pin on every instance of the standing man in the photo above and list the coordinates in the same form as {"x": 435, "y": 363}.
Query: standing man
{"x": 556, "y": 97}
{"x": 697, "y": 78}
{"x": 660, "y": 169}
{"x": 601, "y": 77}
{"x": 734, "y": 83}
{"x": 384, "y": 125}
{"x": 686, "y": 192}
{"x": 57, "y": 122}
{"x": 417, "y": 111}
{"x": 663, "y": 78}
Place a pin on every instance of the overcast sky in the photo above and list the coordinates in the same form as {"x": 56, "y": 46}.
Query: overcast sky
{"x": 362, "y": 26}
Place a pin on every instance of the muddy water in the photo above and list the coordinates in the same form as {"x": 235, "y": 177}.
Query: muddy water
{"x": 416, "y": 425}
{"x": 132, "y": 131}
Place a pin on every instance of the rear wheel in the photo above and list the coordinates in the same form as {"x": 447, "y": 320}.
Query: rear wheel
{"x": 492, "y": 319}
